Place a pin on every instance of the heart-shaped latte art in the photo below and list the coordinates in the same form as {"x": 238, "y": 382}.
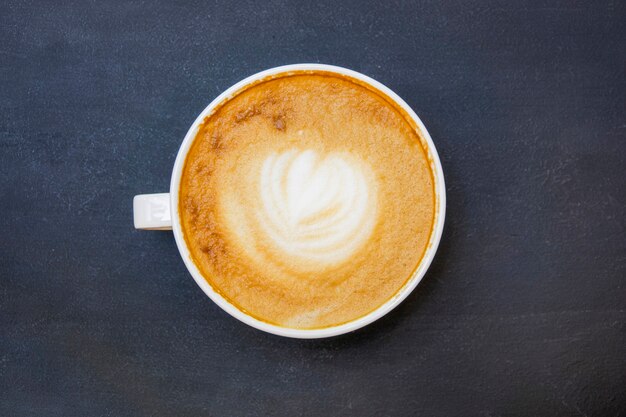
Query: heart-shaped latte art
{"x": 316, "y": 209}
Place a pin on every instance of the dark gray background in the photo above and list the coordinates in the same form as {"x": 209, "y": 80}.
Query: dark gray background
{"x": 522, "y": 313}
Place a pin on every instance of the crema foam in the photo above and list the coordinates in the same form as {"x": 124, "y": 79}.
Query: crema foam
{"x": 307, "y": 200}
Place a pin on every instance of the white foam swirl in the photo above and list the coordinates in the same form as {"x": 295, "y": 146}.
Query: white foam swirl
{"x": 316, "y": 209}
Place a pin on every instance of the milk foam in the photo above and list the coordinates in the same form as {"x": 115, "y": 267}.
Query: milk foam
{"x": 316, "y": 208}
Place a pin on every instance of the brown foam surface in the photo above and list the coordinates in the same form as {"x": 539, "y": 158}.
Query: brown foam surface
{"x": 355, "y": 163}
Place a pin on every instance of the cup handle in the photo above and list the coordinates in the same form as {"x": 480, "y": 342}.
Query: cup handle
{"x": 152, "y": 212}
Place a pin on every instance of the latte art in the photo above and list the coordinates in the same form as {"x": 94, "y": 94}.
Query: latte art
{"x": 316, "y": 208}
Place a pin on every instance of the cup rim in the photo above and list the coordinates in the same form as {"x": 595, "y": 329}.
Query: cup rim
{"x": 396, "y": 299}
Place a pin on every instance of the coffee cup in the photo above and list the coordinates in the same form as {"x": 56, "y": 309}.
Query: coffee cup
{"x": 162, "y": 211}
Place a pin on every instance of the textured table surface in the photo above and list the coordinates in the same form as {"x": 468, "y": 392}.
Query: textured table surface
{"x": 523, "y": 312}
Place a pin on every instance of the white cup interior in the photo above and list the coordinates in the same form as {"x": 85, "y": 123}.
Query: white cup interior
{"x": 440, "y": 193}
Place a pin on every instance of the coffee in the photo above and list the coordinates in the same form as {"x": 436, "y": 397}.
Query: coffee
{"x": 307, "y": 199}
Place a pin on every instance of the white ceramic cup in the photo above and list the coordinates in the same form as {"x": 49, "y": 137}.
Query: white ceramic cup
{"x": 160, "y": 211}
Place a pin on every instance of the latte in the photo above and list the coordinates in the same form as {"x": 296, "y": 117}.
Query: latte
{"x": 307, "y": 199}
